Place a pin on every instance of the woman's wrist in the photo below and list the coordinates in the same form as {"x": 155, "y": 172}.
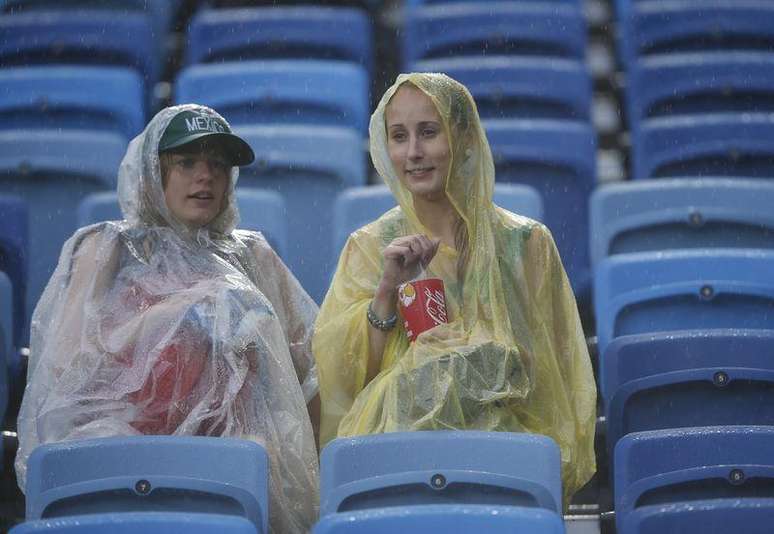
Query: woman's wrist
{"x": 383, "y": 303}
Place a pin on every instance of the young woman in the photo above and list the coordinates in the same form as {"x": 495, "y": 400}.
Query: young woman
{"x": 512, "y": 356}
{"x": 173, "y": 322}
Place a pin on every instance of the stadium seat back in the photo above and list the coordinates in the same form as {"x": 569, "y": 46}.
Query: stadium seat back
{"x": 52, "y": 170}
{"x": 653, "y": 292}
{"x": 307, "y": 166}
{"x": 146, "y": 522}
{"x": 520, "y": 87}
{"x": 149, "y": 473}
{"x": 662, "y": 467}
{"x": 271, "y": 92}
{"x": 440, "y": 467}
{"x": 477, "y": 28}
{"x": 280, "y": 32}
{"x": 443, "y": 518}
{"x": 681, "y": 213}
{"x": 686, "y": 378}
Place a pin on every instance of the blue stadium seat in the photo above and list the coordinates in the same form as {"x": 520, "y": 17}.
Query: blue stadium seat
{"x": 149, "y": 474}
{"x": 72, "y": 97}
{"x": 721, "y": 144}
{"x": 14, "y": 250}
{"x": 558, "y": 158}
{"x": 669, "y": 26}
{"x": 259, "y": 210}
{"x": 82, "y": 37}
{"x": 668, "y": 214}
{"x": 498, "y": 28}
{"x": 689, "y": 84}
{"x": 520, "y": 87}
{"x": 749, "y": 515}
{"x": 161, "y": 12}
{"x": 134, "y": 522}
{"x": 663, "y": 467}
{"x": 651, "y": 292}
{"x": 264, "y": 211}
{"x": 250, "y": 92}
{"x": 440, "y": 467}
{"x": 307, "y": 32}
{"x": 98, "y": 207}
{"x": 687, "y": 378}
{"x": 418, "y": 3}
{"x": 449, "y": 518}
{"x": 358, "y": 206}
{"x": 7, "y": 350}
{"x": 308, "y": 166}
{"x": 52, "y": 170}
{"x": 6, "y": 318}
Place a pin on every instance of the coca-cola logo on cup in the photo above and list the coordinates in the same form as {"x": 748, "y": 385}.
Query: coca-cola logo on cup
{"x": 435, "y": 306}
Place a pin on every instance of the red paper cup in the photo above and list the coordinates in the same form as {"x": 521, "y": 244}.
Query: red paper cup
{"x": 423, "y": 305}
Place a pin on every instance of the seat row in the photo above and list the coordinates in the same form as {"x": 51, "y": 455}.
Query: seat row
{"x": 670, "y": 481}
{"x": 511, "y": 484}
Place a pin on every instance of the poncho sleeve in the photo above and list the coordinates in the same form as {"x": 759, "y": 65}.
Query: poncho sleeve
{"x": 340, "y": 341}
{"x": 563, "y": 401}
{"x": 57, "y": 362}
{"x": 294, "y": 307}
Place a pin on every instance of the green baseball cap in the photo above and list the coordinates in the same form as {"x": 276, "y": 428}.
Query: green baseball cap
{"x": 188, "y": 126}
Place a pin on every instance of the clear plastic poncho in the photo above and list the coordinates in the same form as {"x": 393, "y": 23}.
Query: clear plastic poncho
{"x": 147, "y": 327}
{"x": 513, "y": 356}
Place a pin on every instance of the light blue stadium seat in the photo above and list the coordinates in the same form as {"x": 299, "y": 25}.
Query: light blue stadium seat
{"x": 331, "y": 93}
{"x": 85, "y": 37}
{"x": 52, "y": 170}
{"x": 697, "y": 83}
{"x": 668, "y": 214}
{"x": 73, "y": 97}
{"x": 691, "y": 465}
{"x": 99, "y": 207}
{"x": 558, "y": 158}
{"x": 134, "y": 522}
{"x": 192, "y": 474}
{"x": 749, "y": 515}
{"x": 358, "y": 206}
{"x": 687, "y": 378}
{"x": 264, "y": 211}
{"x": 6, "y": 318}
{"x": 259, "y": 210}
{"x": 295, "y": 32}
{"x": 651, "y": 292}
{"x": 7, "y": 349}
{"x": 308, "y": 166}
{"x": 418, "y": 3}
{"x": 510, "y": 87}
{"x": 718, "y": 144}
{"x": 663, "y": 26}
{"x": 397, "y": 469}
{"x": 449, "y": 518}
{"x": 498, "y": 28}
{"x": 14, "y": 247}
{"x": 161, "y": 12}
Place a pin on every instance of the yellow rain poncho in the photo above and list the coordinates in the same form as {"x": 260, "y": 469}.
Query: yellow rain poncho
{"x": 512, "y": 357}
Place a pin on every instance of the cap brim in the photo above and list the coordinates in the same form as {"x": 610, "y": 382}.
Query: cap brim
{"x": 240, "y": 152}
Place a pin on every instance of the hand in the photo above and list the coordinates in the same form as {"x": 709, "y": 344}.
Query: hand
{"x": 405, "y": 257}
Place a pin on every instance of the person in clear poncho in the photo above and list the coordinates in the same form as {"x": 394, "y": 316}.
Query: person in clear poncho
{"x": 173, "y": 322}
{"x": 513, "y": 355}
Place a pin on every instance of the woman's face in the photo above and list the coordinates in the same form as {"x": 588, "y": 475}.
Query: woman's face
{"x": 417, "y": 143}
{"x": 195, "y": 185}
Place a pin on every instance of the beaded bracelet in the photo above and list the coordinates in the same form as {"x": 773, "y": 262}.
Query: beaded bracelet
{"x": 384, "y": 325}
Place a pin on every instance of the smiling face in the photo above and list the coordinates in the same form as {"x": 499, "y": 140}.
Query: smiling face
{"x": 195, "y": 181}
{"x": 417, "y": 143}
